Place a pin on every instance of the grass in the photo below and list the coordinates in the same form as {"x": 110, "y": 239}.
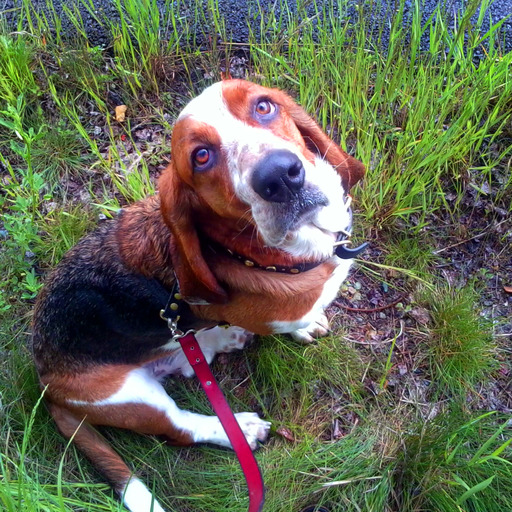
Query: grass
{"x": 435, "y": 112}
{"x": 460, "y": 462}
{"x": 414, "y": 253}
{"x": 392, "y": 410}
{"x": 460, "y": 347}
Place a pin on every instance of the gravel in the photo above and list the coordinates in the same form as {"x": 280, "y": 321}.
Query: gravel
{"x": 239, "y": 14}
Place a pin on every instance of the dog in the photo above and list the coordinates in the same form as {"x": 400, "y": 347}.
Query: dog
{"x": 245, "y": 220}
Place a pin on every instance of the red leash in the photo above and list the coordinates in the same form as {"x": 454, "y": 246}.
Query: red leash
{"x": 219, "y": 404}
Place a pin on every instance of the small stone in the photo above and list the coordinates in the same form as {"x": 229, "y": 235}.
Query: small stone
{"x": 382, "y": 315}
{"x": 385, "y": 287}
{"x": 357, "y": 285}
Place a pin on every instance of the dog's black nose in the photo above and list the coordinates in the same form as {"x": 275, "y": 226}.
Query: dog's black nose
{"x": 278, "y": 176}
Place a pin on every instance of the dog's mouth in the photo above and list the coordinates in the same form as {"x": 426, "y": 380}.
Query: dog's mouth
{"x": 299, "y": 211}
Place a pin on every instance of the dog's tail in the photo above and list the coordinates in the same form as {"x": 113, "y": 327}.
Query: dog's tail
{"x": 134, "y": 494}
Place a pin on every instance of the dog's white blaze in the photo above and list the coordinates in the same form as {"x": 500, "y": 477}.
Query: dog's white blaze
{"x": 243, "y": 146}
{"x": 329, "y": 292}
{"x": 137, "y": 498}
{"x": 210, "y": 102}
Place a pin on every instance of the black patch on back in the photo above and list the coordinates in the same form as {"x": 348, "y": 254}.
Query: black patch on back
{"x": 96, "y": 310}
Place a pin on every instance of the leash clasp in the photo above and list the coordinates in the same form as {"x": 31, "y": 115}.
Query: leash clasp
{"x": 170, "y": 313}
{"x": 172, "y": 323}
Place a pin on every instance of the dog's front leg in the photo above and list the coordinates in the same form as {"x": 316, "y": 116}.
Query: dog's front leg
{"x": 306, "y": 329}
{"x": 316, "y": 329}
{"x": 212, "y": 341}
{"x": 141, "y": 392}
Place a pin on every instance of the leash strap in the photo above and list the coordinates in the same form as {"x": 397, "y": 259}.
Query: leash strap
{"x": 219, "y": 404}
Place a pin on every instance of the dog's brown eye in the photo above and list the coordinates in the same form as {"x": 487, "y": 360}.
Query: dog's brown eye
{"x": 201, "y": 157}
{"x": 265, "y": 107}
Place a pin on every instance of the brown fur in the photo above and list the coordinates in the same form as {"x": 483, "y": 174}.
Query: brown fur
{"x": 92, "y": 445}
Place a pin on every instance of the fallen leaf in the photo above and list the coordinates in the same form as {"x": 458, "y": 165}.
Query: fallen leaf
{"x": 421, "y": 315}
{"x": 286, "y": 433}
{"x": 508, "y": 289}
{"x": 121, "y": 113}
{"x": 356, "y": 297}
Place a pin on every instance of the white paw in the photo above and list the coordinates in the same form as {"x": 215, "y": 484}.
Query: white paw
{"x": 213, "y": 341}
{"x": 137, "y": 498}
{"x": 184, "y": 367}
{"x": 234, "y": 338}
{"x": 317, "y": 329}
{"x": 254, "y": 428}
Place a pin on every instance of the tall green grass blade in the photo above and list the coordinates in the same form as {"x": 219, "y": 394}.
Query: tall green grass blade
{"x": 475, "y": 489}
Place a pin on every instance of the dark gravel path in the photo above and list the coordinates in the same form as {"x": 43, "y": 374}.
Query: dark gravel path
{"x": 236, "y": 14}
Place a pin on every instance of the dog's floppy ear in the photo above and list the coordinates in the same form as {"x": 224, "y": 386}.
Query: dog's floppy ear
{"x": 350, "y": 169}
{"x": 197, "y": 282}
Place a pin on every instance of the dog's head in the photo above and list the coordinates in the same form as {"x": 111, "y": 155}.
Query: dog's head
{"x": 248, "y": 163}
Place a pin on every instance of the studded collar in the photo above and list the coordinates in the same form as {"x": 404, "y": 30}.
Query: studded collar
{"x": 298, "y": 268}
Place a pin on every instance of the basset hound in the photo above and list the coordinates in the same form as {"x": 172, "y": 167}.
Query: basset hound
{"x": 246, "y": 217}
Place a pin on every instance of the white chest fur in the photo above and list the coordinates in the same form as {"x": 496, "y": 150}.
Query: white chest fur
{"x": 314, "y": 323}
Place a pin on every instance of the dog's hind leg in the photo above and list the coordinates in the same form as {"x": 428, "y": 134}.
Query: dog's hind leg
{"x": 134, "y": 494}
{"x": 139, "y": 403}
{"x": 131, "y": 397}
